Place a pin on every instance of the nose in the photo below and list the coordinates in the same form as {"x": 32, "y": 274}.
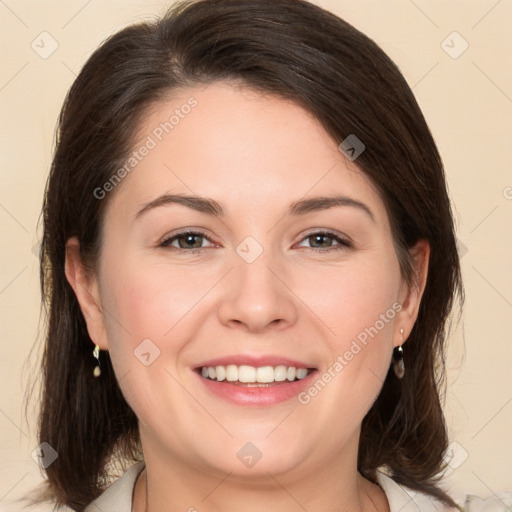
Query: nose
{"x": 256, "y": 297}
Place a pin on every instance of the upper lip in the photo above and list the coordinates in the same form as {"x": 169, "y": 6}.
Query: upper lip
{"x": 256, "y": 361}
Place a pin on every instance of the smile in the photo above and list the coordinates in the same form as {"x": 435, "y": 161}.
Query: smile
{"x": 254, "y": 381}
{"x": 252, "y": 375}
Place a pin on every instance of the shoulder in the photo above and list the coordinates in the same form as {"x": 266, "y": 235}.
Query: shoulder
{"x": 403, "y": 499}
{"x": 118, "y": 497}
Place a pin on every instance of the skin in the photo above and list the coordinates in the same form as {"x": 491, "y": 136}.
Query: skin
{"x": 254, "y": 154}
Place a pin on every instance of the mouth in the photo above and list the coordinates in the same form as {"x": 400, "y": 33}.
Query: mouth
{"x": 254, "y": 376}
{"x": 267, "y": 383}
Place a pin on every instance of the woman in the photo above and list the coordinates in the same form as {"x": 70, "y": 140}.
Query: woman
{"x": 248, "y": 262}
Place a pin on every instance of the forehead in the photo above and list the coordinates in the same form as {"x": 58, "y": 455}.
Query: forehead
{"x": 238, "y": 145}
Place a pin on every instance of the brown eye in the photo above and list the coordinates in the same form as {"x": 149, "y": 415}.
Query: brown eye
{"x": 187, "y": 240}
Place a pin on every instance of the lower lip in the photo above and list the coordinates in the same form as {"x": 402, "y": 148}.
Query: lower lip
{"x": 272, "y": 394}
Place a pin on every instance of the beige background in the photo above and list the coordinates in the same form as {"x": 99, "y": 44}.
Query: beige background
{"x": 467, "y": 99}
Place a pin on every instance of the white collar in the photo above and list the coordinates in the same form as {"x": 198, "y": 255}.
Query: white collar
{"x": 403, "y": 499}
{"x": 118, "y": 497}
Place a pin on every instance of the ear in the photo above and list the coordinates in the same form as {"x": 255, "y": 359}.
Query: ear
{"x": 410, "y": 295}
{"x": 85, "y": 286}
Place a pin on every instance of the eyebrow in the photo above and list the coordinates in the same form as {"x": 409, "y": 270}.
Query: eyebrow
{"x": 211, "y": 207}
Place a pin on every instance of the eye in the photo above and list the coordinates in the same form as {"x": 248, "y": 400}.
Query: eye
{"x": 323, "y": 240}
{"x": 191, "y": 241}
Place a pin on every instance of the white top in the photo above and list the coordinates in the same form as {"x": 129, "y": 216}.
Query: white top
{"x": 118, "y": 497}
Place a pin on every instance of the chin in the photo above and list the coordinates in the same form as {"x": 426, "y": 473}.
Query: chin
{"x": 253, "y": 458}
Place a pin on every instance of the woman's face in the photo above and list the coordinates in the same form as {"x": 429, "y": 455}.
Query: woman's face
{"x": 272, "y": 279}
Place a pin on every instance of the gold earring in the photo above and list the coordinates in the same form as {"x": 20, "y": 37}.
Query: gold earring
{"x": 398, "y": 357}
{"x": 96, "y": 353}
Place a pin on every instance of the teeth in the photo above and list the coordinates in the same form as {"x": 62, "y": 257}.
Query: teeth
{"x": 280, "y": 373}
{"x": 247, "y": 374}
{"x": 301, "y": 373}
{"x": 265, "y": 374}
{"x": 231, "y": 373}
{"x": 291, "y": 373}
{"x": 220, "y": 373}
{"x": 251, "y": 374}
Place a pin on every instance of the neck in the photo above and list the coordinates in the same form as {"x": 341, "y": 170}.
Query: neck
{"x": 179, "y": 487}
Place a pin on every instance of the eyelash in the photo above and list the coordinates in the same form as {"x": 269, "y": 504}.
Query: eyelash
{"x": 343, "y": 243}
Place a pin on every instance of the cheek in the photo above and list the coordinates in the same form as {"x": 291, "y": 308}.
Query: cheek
{"x": 144, "y": 310}
{"x": 148, "y": 301}
{"x": 353, "y": 297}
{"x": 360, "y": 307}
{"x": 151, "y": 317}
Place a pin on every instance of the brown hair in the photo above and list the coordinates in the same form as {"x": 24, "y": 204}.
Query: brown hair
{"x": 296, "y": 50}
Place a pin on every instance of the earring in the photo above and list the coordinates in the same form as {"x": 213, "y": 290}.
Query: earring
{"x": 96, "y": 353}
{"x": 398, "y": 357}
